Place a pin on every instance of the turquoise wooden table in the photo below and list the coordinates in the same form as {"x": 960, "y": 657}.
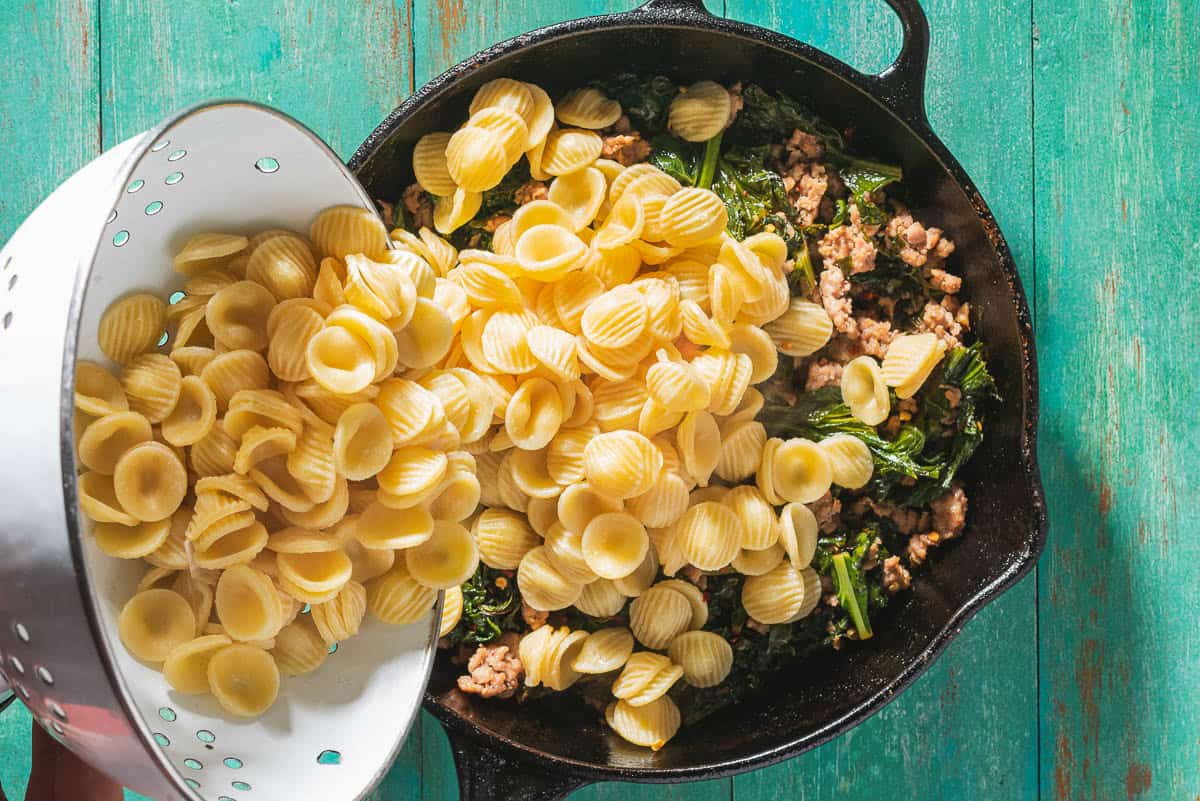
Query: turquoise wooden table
{"x": 1079, "y": 120}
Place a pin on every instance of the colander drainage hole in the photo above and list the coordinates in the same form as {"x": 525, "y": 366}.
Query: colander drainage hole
{"x": 162, "y": 739}
{"x": 120, "y": 238}
{"x": 12, "y": 281}
{"x": 7, "y": 264}
{"x": 193, "y": 764}
{"x": 195, "y": 785}
{"x": 22, "y": 690}
{"x": 22, "y": 632}
{"x": 173, "y": 178}
{"x": 167, "y": 714}
{"x": 112, "y": 215}
{"x": 57, "y": 711}
{"x": 160, "y": 145}
{"x": 176, "y": 297}
{"x": 224, "y": 798}
{"x": 17, "y": 665}
{"x": 233, "y": 763}
{"x": 154, "y": 208}
{"x": 266, "y": 165}
{"x": 45, "y": 675}
{"x": 176, "y": 155}
{"x": 329, "y": 758}
{"x": 135, "y": 186}
{"x": 242, "y": 786}
{"x": 333, "y": 648}
{"x": 58, "y": 729}
{"x": 7, "y": 320}
{"x": 206, "y": 736}
{"x": 162, "y": 339}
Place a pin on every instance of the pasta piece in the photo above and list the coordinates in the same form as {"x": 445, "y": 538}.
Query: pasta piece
{"x": 710, "y": 535}
{"x": 149, "y": 481}
{"x": 340, "y": 618}
{"x": 617, "y": 404}
{"x": 579, "y": 194}
{"x": 615, "y": 319}
{"x": 580, "y": 503}
{"x": 273, "y": 477}
{"x": 549, "y": 654}
{"x": 695, "y": 598}
{"x": 755, "y": 563}
{"x": 705, "y": 657}
{"x": 774, "y": 301}
{"x": 849, "y": 459}
{"x": 746, "y": 266}
{"x": 247, "y": 604}
{"x": 382, "y": 345}
{"x": 429, "y": 164}
{"x": 781, "y": 595}
{"x": 541, "y": 584}
{"x": 503, "y": 537}
{"x": 362, "y": 442}
{"x": 601, "y": 599}
{"x": 541, "y": 513}
{"x": 677, "y": 386}
{"x": 765, "y": 478}
{"x": 239, "y": 547}
{"x": 614, "y": 544}
{"x": 154, "y": 622}
{"x": 448, "y": 558}
{"x": 663, "y": 504}
{"x": 534, "y": 414}
{"x": 340, "y": 361}
{"x": 651, "y": 725}
{"x": 454, "y": 211}
{"x": 505, "y": 344}
{"x": 760, "y": 528}
{"x": 548, "y": 252}
{"x": 564, "y": 549}
{"x": 301, "y": 540}
{"x": 758, "y": 346}
{"x": 172, "y": 554}
{"x": 699, "y": 441}
{"x": 476, "y": 159}
{"x": 382, "y": 291}
{"x": 909, "y": 361}
{"x": 802, "y": 330}
{"x": 659, "y": 615}
{"x": 554, "y": 349}
{"x": 382, "y": 528}
{"x": 452, "y": 608}
{"x": 530, "y": 475}
{"x": 238, "y": 486}
{"x": 728, "y": 377}
{"x": 262, "y": 408}
{"x": 646, "y": 677}
{"x": 131, "y": 542}
{"x": 622, "y": 464}
{"x": 864, "y": 391}
{"x": 152, "y": 385}
{"x": 341, "y": 230}
{"x": 285, "y": 266}
{"x": 700, "y": 328}
{"x": 97, "y": 391}
{"x": 408, "y": 407}
{"x": 311, "y": 464}
{"x": 323, "y": 514}
{"x": 587, "y": 108}
{"x": 487, "y": 286}
{"x": 396, "y": 598}
{"x": 197, "y": 589}
{"x": 229, "y": 373}
{"x": 186, "y": 666}
{"x": 107, "y": 439}
{"x": 131, "y": 326}
{"x": 313, "y": 577}
{"x": 208, "y": 251}
{"x": 614, "y": 266}
{"x": 691, "y": 216}
{"x": 798, "y": 533}
{"x": 625, "y": 222}
{"x": 413, "y": 471}
{"x": 504, "y": 93}
{"x": 194, "y": 414}
{"x": 699, "y": 112}
{"x": 569, "y": 150}
{"x": 800, "y": 471}
{"x": 299, "y": 648}
{"x": 604, "y": 651}
{"x": 458, "y": 498}
{"x": 741, "y": 451}
{"x": 244, "y": 679}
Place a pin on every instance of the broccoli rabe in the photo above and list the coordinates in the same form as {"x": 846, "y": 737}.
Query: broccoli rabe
{"x": 645, "y": 99}
{"x": 491, "y": 606}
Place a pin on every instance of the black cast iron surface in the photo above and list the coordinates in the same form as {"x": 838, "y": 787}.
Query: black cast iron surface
{"x": 542, "y": 750}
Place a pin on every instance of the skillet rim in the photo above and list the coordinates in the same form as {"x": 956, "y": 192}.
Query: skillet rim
{"x": 894, "y": 98}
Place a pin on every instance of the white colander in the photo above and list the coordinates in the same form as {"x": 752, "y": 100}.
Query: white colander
{"x": 109, "y": 230}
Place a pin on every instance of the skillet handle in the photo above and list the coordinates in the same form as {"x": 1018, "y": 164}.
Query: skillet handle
{"x": 903, "y": 83}
{"x": 676, "y": 8}
{"x": 485, "y": 774}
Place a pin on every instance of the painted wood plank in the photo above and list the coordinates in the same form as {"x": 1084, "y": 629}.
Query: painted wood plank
{"x": 49, "y": 128}
{"x": 1117, "y": 126}
{"x": 967, "y": 729}
{"x": 337, "y": 67}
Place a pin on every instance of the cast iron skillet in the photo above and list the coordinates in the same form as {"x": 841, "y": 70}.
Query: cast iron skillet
{"x": 544, "y": 750}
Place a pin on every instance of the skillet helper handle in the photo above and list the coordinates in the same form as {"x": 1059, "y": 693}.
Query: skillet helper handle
{"x": 676, "y": 8}
{"x": 485, "y": 774}
{"x": 903, "y": 83}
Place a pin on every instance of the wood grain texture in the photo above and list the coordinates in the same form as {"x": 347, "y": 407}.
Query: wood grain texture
{"x": 968, "y": 728}
{"x": 1117, "y": 132}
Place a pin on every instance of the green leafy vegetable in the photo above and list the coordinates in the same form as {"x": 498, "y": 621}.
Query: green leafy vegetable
{"x": 681, "y": 160}
{"x": 708, "y": 168}
{"x": 501, "y": 198}
{"x": 767, "y": 117}
{"x": 864, "y": 177}
{"x": 901, "y": 283}
{"x": 646, "y": 99}
{"x": 852, "y": 594}
{"x": 491, "y": 606}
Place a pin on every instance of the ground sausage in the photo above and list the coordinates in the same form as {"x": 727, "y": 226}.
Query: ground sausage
{"x": 950, "y": 512}
{"x": 919, "y": 246}
{"x": 806, "y": 183}
{"x": 875, "y": 336}
{"x": 803, "y": 146}
{"x": 534, "y": 618}
{"x": 822, "y": 373}
{"x": 847, "y": 244}
{"x": 494, "y": 671}
{"x": 835, "y": 297}
{"x": 419, "y": 206}
{"x": 938, "y": 320}
{"x": 895, "y": 576}
{"x": 827, "y": 509}
{"x": 529, "y": 192}
{"x": 624, "y": 145}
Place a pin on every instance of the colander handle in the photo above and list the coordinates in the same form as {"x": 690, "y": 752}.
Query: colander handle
{"x": 486, "y": 774}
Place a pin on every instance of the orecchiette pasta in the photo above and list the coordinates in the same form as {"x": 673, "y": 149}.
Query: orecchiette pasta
{"x": 864, "y": 392}
{"x": 704, "y": 657}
